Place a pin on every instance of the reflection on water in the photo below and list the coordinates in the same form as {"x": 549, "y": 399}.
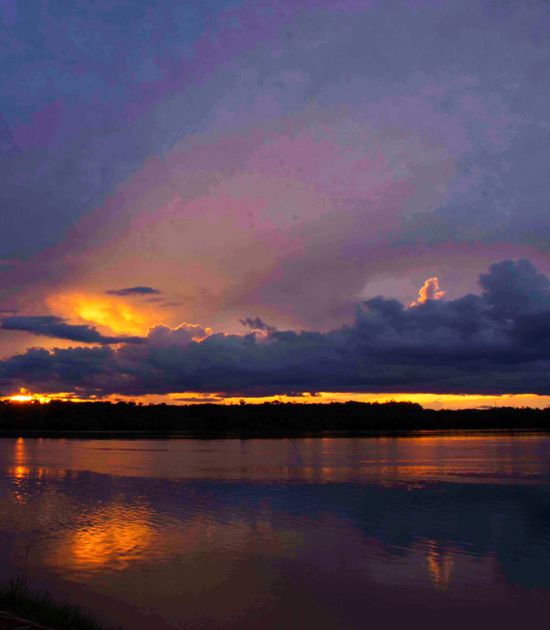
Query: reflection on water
{"x": 283, "y": 533}
{"x": 115, "y": 537}
{"x": 440, "y": 565}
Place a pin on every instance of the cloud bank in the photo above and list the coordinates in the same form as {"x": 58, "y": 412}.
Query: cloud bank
{"x": 57, "y": 328}
{"x": 133, "y": 291}
{"x": 492, "y": 343}
{"x": 257, "y": 323}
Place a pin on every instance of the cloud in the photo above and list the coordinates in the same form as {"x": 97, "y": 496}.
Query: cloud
{"x": 514, "y": 286}
{"x": 428, "y": 291}
{"x": 134, "y": 291}
{"x": 57, "y": 328}
{"x": 164, "y": 337}
{"x": 199, "y": 399}
{"x": 328, "y": 156}
{"x": 492, "y": 343}
{"x": 255, "y": 323}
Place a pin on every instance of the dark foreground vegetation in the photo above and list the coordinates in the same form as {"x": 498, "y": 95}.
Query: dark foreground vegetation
{"x": 268, "y": 419}
{"x": 17, "y": 598}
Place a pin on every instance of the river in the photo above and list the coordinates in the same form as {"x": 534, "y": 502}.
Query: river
{"x": 322, "y": 533}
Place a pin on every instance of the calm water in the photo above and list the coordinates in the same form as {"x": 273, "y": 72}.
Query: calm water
{"x": 308, "y": 533}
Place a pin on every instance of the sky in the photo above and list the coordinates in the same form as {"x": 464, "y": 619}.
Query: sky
{"x": 306, "y": 199}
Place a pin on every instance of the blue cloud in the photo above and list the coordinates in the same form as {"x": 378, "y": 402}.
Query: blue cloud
{"x": 57, "y": 328}
{"x": 134, "y": 291}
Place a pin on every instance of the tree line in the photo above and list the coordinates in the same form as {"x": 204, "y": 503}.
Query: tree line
{"x": 259, "y": 419}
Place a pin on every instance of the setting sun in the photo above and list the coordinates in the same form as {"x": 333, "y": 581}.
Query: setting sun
{"x": 25, "y": 396}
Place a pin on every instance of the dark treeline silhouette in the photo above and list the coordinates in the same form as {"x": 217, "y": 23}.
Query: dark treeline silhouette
{"x": 260, "y": 419}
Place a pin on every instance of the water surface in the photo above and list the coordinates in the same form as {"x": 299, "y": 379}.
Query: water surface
{"x": 320, "y": 533}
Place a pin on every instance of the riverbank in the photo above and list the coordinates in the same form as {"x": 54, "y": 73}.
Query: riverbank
{"x": 20, "y": 607}
{"x": 256, "y": 420}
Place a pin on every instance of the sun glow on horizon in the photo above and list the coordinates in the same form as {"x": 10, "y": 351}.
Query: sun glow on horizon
{"x": 26, "y": 396}
{"x": 23, "y": 396}
{"x": 426, "y": 400}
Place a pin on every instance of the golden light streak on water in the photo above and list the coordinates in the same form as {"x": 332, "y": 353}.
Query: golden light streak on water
{"x": 440, "y": 566}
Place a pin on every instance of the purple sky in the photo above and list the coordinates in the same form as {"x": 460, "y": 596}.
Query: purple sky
{"x": 198, "y": 165}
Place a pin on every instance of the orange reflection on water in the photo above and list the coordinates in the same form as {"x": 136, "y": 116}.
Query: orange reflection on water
{"x": 19, "y": 470}
{"x": 439, "y": 456}
{"x": 19, "y": 451}
{"x": 458, "y": 457}
{"x": 121, "y": 535}
{"x": 113, "y": 537}
{"x": 440, "y": 563}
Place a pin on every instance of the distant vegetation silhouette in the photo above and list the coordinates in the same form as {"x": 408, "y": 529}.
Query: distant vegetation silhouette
{"x": 17, "y": 598}
{"x": 267, "y": 419}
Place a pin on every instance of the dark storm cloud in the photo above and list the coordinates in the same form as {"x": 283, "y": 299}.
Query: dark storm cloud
{"x": 256, "y": 323}
{"x": 57, "y": 328}
{"x": 72, "y": 368}
{"x": 199, "y": 399}
{"x": 496, "y": 342}
{"x": 515, "y": 286}
{"x": 134, "y": 291}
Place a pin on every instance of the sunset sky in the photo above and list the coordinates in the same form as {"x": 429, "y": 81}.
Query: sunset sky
{"x": 226, "y": 199}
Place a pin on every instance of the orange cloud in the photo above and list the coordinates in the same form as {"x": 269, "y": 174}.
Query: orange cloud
{"x": 428, "y": 291}
{"x": 102, "y": 310}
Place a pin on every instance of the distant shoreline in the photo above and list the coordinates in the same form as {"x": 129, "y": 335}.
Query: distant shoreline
{"x": 265, "y": 435}
{"x": 267, "y": 420}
